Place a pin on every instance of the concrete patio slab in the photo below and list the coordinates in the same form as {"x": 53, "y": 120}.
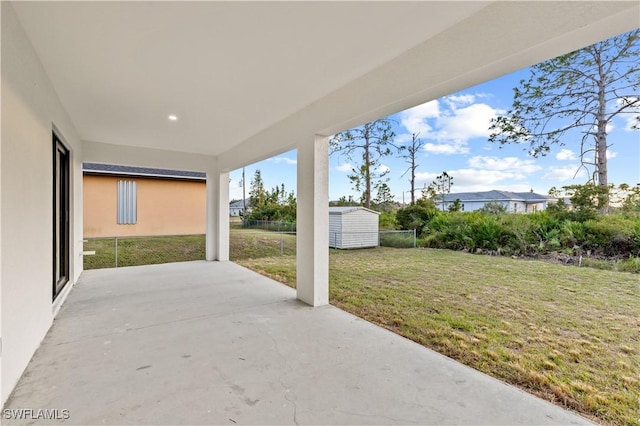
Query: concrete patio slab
{"x": 214, "y": 343}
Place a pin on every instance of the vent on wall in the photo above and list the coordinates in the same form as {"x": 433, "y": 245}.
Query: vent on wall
{"x": 127, "y": 202}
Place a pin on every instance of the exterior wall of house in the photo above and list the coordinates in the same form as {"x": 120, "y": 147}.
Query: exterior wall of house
{"x": 511, "y": 206}
{"x": 471, "y": 206}
{"x": 517, "y": 207}
{"x": 30, "y": 111}
{"x": 164, "y": 207}
{"x": 536, "y": 207}
{"x": 353, "y": 229}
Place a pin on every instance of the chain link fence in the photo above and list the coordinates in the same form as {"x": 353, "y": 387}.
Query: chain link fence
{"x": 398, "y": 239}
{"x": 270, "y": 225}
{"x": 114, "y": 252}
{"x": 245, "y": 243}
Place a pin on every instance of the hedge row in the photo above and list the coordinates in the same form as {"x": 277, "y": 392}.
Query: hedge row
{"x": 526, "y": 234}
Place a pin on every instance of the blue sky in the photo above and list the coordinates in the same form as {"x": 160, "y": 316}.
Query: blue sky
{"x": 455, "y": 130}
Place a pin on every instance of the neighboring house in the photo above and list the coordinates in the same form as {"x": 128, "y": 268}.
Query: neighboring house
{"x": 513, "y": 202}
{"x": 237, "y": 208}
{"x": 136, "y": 201}
{"x": 353, "y": 227}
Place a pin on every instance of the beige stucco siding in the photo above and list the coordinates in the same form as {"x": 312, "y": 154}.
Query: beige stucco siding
{"x": 165, "y": 207}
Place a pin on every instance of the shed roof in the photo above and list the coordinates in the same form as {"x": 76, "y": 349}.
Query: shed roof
{"x": 113, "y": 169}
{"x": 349, "y": 209}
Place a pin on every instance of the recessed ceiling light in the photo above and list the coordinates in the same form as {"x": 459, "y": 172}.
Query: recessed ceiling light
{"x": 173, "y": 117}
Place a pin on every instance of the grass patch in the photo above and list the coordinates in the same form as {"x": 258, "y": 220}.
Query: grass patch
{"x": 569, "y": 335}
{"x": 144, "y": 251}
{"x": 255, "y": 244}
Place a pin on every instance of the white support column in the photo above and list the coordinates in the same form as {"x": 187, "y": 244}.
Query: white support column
{"x": 313, "y": 222}
{"x": 223, "y": 217}
{"x": 217, "y": 232}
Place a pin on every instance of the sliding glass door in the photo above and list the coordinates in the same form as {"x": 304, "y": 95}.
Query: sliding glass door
{"x": 60, "y": 216}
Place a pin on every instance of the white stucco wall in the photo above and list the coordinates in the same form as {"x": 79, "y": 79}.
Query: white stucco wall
{"x": 522, "y": 207}
{"x": 30, "y": 111}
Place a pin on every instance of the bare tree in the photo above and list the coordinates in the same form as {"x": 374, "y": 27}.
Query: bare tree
{"x": 410, "y": 153}
{"x": 370, "y": 142}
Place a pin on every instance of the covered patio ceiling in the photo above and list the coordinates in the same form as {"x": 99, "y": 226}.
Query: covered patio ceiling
{"x": 251, "y": 79}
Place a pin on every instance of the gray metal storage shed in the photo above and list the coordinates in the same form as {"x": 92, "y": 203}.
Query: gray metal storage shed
{"x": 353, "y": 227}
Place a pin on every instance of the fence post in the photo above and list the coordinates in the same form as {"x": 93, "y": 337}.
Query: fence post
{"x": 414, "y": 238}
{"x": 116, "y": 243}
{"x": 282, "y": 244}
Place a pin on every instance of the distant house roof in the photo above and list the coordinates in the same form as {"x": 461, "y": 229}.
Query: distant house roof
{"x": 112, "y": 169}
{"x": 239, "y": 204}
{"x": 348, "y": 209}
{"x": 487, "y": 196}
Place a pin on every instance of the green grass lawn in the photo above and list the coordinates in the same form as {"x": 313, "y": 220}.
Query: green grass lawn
{"x": 570, "y": 335}
{"x": 567, "y": 334}
{"x": 254, "y": 244}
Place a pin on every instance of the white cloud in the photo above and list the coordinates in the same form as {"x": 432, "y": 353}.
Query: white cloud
{"x": 611, "y": 154}
{"x": 284, "y": 160}
{"x": 449, "y": 128}
{"x": 474, "y": 176}
{"x": 455, "y": 101}
{"x": 466, "y": 123}
{"x": 449, "y": 148}
{"x": 468, "y": 177}
{"x": 566, "y": 173}
{"x": 424, "y": 177}
{"x": 383, "y": 169}
{"x": 414, "y": 119}
{"x": 512, "y": 164}
{"x": 566, "y": 155}
{"x": 344, "y": 167}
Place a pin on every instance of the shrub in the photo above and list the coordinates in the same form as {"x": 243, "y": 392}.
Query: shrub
{"x": 486, "y": 232}
{"x": 612, "y": 235}
{"x": 493, "y": 207}
{"x": 519, "y": 237}
{"x": 414, "y": 217}
{"x": 387, "y": 221}
{"x": 448, "y": 230}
